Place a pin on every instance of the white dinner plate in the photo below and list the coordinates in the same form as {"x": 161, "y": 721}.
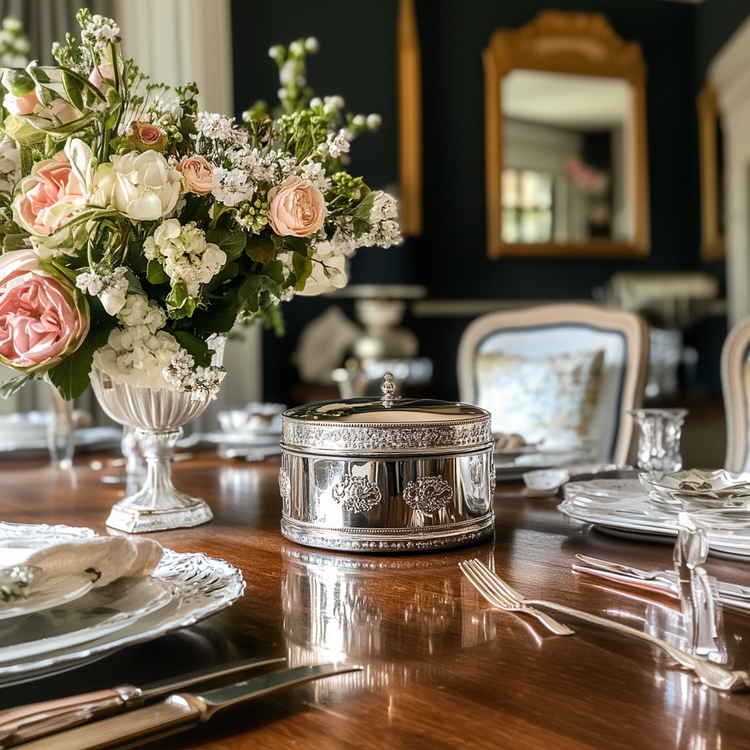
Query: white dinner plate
{"x": 620, "y": 507}
{"x": 86, "y": 439}
{"x": 203, "y": 585}
{"x": 49, "y": 592}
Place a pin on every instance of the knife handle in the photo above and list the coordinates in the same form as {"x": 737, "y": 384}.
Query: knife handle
{"x": 37, "y": 719}
{"x": 172, "y": 715}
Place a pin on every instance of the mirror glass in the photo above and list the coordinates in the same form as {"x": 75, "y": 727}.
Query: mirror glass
{"x": 565, "y": 140}
{"x": 567, "y": 143}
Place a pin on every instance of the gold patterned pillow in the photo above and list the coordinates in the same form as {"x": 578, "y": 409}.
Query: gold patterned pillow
{"x": 550, "y": 400}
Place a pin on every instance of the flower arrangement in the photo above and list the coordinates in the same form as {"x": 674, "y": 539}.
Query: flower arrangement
{"x": 136, "y": 228}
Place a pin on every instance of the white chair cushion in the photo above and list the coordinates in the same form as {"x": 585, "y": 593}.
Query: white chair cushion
{"x": 548, "y": 400}
{"x": 566, "y": 338}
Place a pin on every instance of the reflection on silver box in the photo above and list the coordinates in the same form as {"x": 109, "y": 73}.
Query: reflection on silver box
{"x": 388, "y": 475}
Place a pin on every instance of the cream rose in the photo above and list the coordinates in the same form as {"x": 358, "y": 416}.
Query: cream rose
{"x": 297, "y": 208}
{"x": 198, "y": 174}
{"x": 140, "y": 185}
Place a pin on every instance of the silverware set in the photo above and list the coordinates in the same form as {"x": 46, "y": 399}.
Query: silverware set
{"x": 502, "y": 595}
{"x": 78, "y": 723}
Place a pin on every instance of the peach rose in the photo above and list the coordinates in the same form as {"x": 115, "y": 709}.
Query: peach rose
{"x": 48, "y": 196}
{"x": 297, "y": 208}
{"x": 43, "y": 317}
{"x": 198, "y": 174}
{"x": 21, "y": 105}
{"x": 147, "y": 137}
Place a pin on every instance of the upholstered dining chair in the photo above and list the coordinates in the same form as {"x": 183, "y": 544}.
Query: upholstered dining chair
{"x": 557, "y": 372}
{"x": 735, "y": 381}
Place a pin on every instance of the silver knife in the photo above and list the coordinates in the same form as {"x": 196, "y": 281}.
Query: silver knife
{"x": 178, "y": 712}
{"x": 39, "y": 719}
{"x": 733, "y": 590}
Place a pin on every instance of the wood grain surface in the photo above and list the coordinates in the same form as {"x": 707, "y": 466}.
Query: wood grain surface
{"x": 442, "y": 669}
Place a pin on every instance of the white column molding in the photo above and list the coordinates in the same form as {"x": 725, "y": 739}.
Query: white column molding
{"x": 729, "y": 73}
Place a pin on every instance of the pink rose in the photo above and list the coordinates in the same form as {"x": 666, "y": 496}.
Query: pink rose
{"x": 297, "y": 208}
{"x": 198, "y": 174}
{"x": 99, "y": 73}
{"x": 147, "y": 137}
{"x": 48, "y": 196}
{"x": 21, "y": 105}
{"x": 43, "y": 317}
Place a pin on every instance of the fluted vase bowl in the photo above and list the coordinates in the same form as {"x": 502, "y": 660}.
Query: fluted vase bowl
{"x": 157, "y": 416}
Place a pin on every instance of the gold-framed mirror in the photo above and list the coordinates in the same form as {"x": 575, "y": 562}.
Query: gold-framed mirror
{"x": 566, "y": 156}
{"x": 712, "y": 175}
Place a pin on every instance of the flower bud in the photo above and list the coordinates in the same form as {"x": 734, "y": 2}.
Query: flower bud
{"x": 311, "y": 44}
{"x": 374, "y": 121}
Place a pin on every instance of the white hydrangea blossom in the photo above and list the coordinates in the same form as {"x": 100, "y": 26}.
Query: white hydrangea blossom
{"x": 231, "y": 186}
{"x": 138, "y": 352}
{"x": 315, "y": 173}
{"x": 336, "y": 144}
{"x": 112, "y": 289}
{"x": 201, "y": 382}
{"x": 217, "y": 127}
{"x": 384, "y": 207}
{"x": 184, "y": 254}
{"x": 99, "y": 32}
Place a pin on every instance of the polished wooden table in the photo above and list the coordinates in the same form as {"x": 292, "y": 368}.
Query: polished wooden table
{"x": 441, "y": 668}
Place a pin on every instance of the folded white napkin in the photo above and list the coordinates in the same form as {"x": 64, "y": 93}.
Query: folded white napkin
{"x": 104, "y": 559}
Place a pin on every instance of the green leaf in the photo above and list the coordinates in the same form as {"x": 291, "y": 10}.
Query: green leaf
{"x": 9, "y": 387}
{"x": 71, "y": 376}
{"x": 363, "y": 210}
{"x": 227, "y": 273}
{"x": 260, "y": 248}
{"x": 297, "y": 245}
{"x": 134, "y": 285}
{"x": 14, "y": 242}
{"x": 27, "y": 160}
{"x": 196, "y": 347}
{"x": 303, "y": 268}
{"x": 155, "y": 273}
{"x": 275, "y": 271}
{"x": 232, "y": 243}
{"x": 179, "y": 303}
{"x": 134, "y": 258}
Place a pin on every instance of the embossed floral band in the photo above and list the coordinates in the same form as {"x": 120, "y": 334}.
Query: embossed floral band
{"x": 390, "y": 475}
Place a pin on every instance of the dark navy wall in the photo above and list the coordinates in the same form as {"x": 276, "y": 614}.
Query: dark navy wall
{"x": 356, "y": 60}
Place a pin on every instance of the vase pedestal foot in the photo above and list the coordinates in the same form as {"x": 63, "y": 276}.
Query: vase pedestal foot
{"x": 139, "y": 519}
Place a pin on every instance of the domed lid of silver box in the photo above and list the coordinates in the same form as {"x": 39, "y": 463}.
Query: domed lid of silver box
{"x": 386, "y": 426}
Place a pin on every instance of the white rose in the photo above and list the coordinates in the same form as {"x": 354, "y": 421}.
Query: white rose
{"x": 141, "y": 185}
{"x": 319, "y": 283}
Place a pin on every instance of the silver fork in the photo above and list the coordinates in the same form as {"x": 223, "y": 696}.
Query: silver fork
{"x": 506, "y": 597}
{"x": 486, "y": 591}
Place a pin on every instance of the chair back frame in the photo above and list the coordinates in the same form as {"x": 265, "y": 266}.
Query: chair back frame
{"x": 631, "y": 326}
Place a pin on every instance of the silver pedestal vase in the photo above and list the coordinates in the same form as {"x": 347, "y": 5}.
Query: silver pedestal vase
{"x": 157, "y": 417}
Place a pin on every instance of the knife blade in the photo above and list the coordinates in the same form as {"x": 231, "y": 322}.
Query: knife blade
{"x": 178, "y": 712}
{"x": 34, "y": 720}
{"x": 731, "y": 590}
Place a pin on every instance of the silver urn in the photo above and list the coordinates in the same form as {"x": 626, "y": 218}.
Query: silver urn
{"x": 387, "y": 475}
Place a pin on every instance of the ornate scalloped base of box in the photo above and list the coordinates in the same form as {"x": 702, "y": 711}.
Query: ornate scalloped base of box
{"x": 137, "y": 519}
{"x": 389, "y": 540}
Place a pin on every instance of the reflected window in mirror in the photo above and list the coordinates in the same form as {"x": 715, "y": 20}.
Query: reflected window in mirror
{"x": 565, "y": 111}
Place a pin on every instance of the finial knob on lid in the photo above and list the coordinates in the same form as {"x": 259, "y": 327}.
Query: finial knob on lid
{"x": 388, "y": 389}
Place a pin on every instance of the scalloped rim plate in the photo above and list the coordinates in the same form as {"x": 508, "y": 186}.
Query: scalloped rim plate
{"x": 204, "y": 585}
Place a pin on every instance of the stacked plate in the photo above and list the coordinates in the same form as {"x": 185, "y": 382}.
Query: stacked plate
{"x": 24, "y": 435}
{"x": 621, "y": 507}
{"x": 64, "y": 622}
{"x": 252, "y": 433}
{"x": 696, "y": 490}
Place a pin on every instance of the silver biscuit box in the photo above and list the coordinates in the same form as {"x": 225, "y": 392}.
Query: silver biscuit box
{"x": 386, "y": 475}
